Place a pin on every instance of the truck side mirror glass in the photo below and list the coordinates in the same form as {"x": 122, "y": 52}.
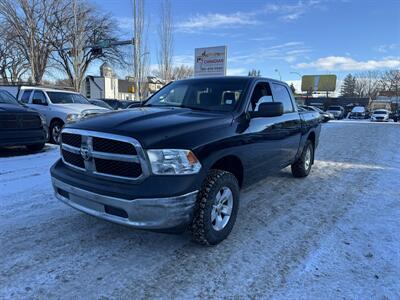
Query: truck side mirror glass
{"x": 268, "y": 109}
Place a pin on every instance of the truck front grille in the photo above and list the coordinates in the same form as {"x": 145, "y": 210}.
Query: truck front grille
{"x": 104, "y": 155}
{"x": 20, "y": 121}
{"x": 73, "y": 159}
{"x": 74, "y": 140}
{"x": 111, "y": 146}
{"x": 118, "y": 168}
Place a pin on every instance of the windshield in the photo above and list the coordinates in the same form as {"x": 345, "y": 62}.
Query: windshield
{"x": 334, "y": 108}
{"x": 317, "y": 109}
{"x": 100, "y": 103}
{"x": 221, "y": 94}
{"x": 380, "y": 112}
{"x": 6, "y": 97}
{"x": 63, "y": 98}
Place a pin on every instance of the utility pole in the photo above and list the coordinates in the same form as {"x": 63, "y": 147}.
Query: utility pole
{"x": 279, "y": 73}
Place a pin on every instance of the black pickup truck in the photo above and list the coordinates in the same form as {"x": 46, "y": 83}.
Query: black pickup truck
{"x": 20, "y": 125}
{"x": 180, "y": 159}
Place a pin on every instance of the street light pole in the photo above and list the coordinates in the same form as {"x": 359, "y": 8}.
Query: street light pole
{"x": 297, "y": 73}
{"x": 280, "y": 77}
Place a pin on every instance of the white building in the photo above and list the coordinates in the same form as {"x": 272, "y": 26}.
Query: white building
{"x": 108, "y": 86}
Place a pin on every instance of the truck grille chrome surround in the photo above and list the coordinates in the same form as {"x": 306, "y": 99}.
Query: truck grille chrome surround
{"x": 104, "y": 155}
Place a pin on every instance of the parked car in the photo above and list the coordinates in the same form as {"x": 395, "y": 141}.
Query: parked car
{"x": 20, "y": 125}
{"x": 358, "y": 112}
{"x": 182, "y": 160}
{"x": 325, "y": 116}
{"x": 118, "y": 104}
{"x": 100, "y": 103}
{"x": 380, "y": 115}
{"x": 58, "y": 107}
{"x": 337, "y": 111}
{"x": 396, "y": 115}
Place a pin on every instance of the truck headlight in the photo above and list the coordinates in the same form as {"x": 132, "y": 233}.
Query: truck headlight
{"x": 173, "y": 162}
{"x": 73, "y": 118}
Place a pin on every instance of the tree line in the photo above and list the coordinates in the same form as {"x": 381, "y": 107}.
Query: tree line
{"x": 371, "y": 83}
{"x": 39, "y": 36}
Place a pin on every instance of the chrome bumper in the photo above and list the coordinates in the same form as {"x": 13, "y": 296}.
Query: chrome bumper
{"x": 154, "y": 213}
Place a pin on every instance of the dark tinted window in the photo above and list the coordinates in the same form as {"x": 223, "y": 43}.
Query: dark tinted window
{"x": 281, "y": 94}
{"x": 39, "y": 98}
{"x": 261, "y": 94}
{"x": 6, "y": 97}
{"x": 203, "y": 94}
{"x": 60, "y": 97}
{"x": 25, "y": 96}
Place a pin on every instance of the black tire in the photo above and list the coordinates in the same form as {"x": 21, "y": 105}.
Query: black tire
{"x": 203, "y": 229}
{"x": 55, "y": 126}
{"x": 35, "y": 147}
{"x": 300, "y": 168}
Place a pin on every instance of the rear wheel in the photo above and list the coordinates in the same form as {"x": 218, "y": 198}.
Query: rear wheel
{"x": 55, "y": 131}
{"x": 302, "y": 167}
{"x": 35, "y": 147}
{"x": 216, "y": 209}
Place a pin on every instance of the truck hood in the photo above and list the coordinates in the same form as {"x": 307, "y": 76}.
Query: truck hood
{"x": 157, "y": 126}
{"x": 79, "y": 108}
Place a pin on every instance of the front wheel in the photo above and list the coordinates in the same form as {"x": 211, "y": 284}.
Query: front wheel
{"x": 216, "y": 208}
{"x": 55, "y": 131}
{"x": 302, "y": 167}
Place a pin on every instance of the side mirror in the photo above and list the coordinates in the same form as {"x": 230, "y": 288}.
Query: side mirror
{"x": 268, "y": 109}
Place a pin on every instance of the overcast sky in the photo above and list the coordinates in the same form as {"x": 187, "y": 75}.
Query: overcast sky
{"x": 307, "y": 37}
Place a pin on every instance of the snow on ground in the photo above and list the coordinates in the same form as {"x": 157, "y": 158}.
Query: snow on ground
{"x": 333, "y": 234}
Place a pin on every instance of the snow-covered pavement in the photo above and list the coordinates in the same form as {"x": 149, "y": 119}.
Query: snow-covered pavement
{"x": 335, "y": 234}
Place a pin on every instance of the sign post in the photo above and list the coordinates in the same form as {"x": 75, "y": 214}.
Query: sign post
{"x": 210, "y": 61}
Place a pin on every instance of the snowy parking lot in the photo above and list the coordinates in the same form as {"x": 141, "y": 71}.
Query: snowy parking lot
{"x": 333, "y": 234}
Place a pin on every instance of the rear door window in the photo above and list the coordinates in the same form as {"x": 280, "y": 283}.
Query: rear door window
{"x": 25, "y": 96}
{"x": 39, "y": 98}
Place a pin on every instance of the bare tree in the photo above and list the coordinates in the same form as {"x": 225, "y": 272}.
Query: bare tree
{"x": 182, "y": 72}
{"x": 165, "y": 32}
{"x": 367, "y": 84}
{"x": 390, "y": 82}
{"x": 13, "y": 64}
{"x": 32, "y": 21}
{"x": 140, "y": 50}
{"x": 77, "y": 30}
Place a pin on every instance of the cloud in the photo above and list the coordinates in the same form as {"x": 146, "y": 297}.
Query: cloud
{"x": 387, "y": 48}
{"x": 291, "y": 12}
{"x": 341, "y": 63}
{"x": 216, "y": 20}
{"x": 288, "y": 52}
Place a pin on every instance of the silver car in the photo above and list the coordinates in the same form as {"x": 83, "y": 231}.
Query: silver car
{"x": 58, "y": 107}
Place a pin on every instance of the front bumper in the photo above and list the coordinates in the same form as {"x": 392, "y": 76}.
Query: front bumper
{"x": 144, "y": 213}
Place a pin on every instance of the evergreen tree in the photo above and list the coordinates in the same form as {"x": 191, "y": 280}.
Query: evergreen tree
{"x": 293, "y": 88}
{"x": 348, "y": 88}
{"x": 255, "y": 73}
